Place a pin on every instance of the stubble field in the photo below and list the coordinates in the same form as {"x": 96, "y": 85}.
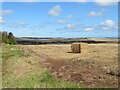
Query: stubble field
{"x": 98, "y": 67}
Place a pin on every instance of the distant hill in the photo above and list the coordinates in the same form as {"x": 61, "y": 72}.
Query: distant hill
{"x": 37, "y": 41}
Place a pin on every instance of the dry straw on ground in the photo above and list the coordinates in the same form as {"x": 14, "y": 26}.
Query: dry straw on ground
{"x": 79, "y": 47}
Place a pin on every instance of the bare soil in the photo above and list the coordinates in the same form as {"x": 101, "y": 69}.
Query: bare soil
{"x": 96, "y": 68}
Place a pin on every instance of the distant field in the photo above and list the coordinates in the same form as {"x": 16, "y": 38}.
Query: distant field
{"x": 53, "y": 65}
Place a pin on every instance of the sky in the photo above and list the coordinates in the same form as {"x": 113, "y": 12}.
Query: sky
{"x": 60, "y": 19}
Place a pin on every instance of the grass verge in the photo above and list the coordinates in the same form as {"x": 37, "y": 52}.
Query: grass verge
{"x": 33, "y": 77}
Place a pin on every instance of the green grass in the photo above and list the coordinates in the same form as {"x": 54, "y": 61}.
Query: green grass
{"x": 46, "y": 80}
{"x": 36, "y": 77}
{"x": 9, "y": 51}
{"x": 10, "y": 54}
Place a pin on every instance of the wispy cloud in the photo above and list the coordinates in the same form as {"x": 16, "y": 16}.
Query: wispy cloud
{"x": 55, "y": 11}
{"x": 76, "y": 0}
{"x": 98, "y": 2}
{"x": 108, "y": 23}
{"x": 6, "y": 12}
{"x": 88, "y": 29}
{"x": 2, "y": 21}
{"x": 31, "y": 0}
{"x": 3, "y": 13}
{"x": 20, "y": 0}
{"x": 44, "y": 0}
{"x": 106, "y": 2}
{"x": 94, "y": 14}
{"x": 18, "y": 25}
{"x": 105, "y": 25}
{"x": 62, "y": 22}
{"x": 70, "y": 26}
{"x": 69, "y": 16}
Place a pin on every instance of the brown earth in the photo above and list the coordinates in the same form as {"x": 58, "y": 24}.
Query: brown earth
{"x": 96, "y": 68}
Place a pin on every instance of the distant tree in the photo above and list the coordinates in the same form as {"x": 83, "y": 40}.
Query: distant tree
{"x": 0, "y": 37}
{"x": 11, "y": 38}
{"x": 5, "y": 37}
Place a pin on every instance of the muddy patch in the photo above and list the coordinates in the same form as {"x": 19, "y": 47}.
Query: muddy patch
{"x": 81, "y": 72}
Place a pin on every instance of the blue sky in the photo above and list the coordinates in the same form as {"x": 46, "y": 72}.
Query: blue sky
{"x": 60, "y": 19}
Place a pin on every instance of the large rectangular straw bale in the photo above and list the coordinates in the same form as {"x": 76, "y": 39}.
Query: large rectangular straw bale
{"x": 79, "y": 47}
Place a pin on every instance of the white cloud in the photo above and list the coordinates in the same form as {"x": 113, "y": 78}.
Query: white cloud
{"x": 44, "y": 0}
{"x": 1, "y": 0}
{"x": 108, "y": 23}
{"x": 98, "y": 2}
{"x": 55, "y": 11}
{"x": 88, "y": 29}
{"x": 31, "y": 0}
{"x": 18, "y": 24}
{"x": 6, "y": 12}
{"x": 20, "y": 0}
{"x": 106, "y": 2}
{"x": 61, "y": 22}
{"x": 105, "y": 25}
{"x": 2, "y": 20}
{"x": 105, "y": 28}
{"x": 116, "y": 27}
{"x": 94, "y": 14}
{"x": 76, "y": 0}
{"x": 70, "y": 26}
{"x": 69, "y": 16}
{"x": 2, "y": 13}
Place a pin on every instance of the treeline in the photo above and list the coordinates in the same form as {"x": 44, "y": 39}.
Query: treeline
{"x": 7, "y": 38}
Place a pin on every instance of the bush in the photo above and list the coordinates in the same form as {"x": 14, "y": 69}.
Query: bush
{"x": 11, "y": 38}
{"x": 7, "y": 38}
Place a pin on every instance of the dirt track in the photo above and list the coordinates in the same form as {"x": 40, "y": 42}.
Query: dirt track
{"x": 96, "y": 68}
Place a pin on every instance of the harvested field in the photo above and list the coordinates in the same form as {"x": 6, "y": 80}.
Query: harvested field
{"x": 97, "y": 68}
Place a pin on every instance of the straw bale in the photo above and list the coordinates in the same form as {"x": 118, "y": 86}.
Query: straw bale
{"x": 79, "y": 47}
